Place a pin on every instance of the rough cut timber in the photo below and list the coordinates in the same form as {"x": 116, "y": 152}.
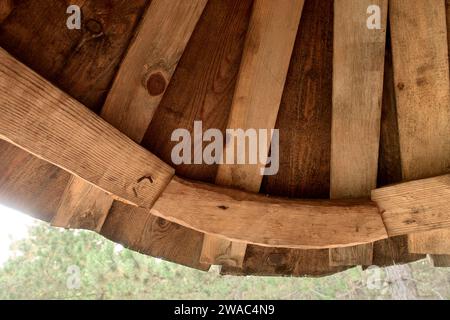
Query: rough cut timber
{"x": 150, "y": 61}
{"x": 201, "y": 89}
{"x": 83, "y": 62}
{"x": 421, "y": 72}
{"x": 394, "y": 250}
{"x": 252, "y": 218}
{"x": 415, "y": 206}
{"x": 304, "y": 117}
{"x": 46, "y": 122}
{"x": 358, "y": 68}
{"x": 256, "y": 102}
{"x": 84, "y": 73}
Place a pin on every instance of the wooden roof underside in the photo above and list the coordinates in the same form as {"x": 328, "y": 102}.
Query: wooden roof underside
{"x": 84, "y": 64}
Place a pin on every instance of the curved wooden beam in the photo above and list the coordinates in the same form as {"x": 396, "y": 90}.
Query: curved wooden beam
{"x": 41, "y": 119}
{"x": 266, "y": 221}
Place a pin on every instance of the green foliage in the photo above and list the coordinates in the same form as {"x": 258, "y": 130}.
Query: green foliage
{"x": 39, "y": 270}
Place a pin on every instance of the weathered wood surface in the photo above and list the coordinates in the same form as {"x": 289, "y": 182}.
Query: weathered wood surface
{"x": 202, "y": 86}
{"x": 264, "y": 261}
{"x": 201, "y": 89}
{"x": 138, "y": 229}
{"x": 41, "y": 119}
{"x": 421, "y": 71}
{"x": 78, "y": 61}
{"x": 149, "y": 64}
{"x": 304, "y": 117}
{"x": 252, "y": 218}
{"x": 83, "y": 206}
{"x": 395, "y": 249}
{"x": 415, "y": 206}
{"x": 256, "y": 102}
{"x": 157, "y": 47}
{"x": 358, "y": 68}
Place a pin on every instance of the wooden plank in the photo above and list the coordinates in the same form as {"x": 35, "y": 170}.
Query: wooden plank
{"x": 152, "y": 58}
{"x": 357, "y": 93}
{"x": 415, "y": 206}
{"x": 392, "y": 251}
{"x": 421, "y": 71}
{"x": 26, "y": 181}
{"x": 442, "y": 260}
{"x": 201, "y": 89}
{"x": 79, "y": 62}
{"x": 304, "y": 117}
{"x": 264, "y": 261}
{"x": 275, "y": 222}
{"x": 6, "y": 7}
{"x": 149, "y": 65}
{"x": 203, "y": 84}
{"x": 256, "y": 101}
{"x": 83, "y": 206}
{"x": 46, "y": 122}
{"x": 138, "y": 229}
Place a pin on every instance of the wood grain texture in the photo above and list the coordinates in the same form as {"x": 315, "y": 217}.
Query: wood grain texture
{"x": 358, "y": 68}
{"x": 79, "y": 62}
{"x": 256, "y": 102}
{"x": 263, "y": 261}
{"x": 395, "y": 249}
{"x": 304, "y": 117}
{"x": 46, "y": 122}
{"x": 138, "y": 229}
{"x": 157, "y": 47}
{"x": 441, "y": 260}
{"x": 275, "y": 222}
{"x": 203, "y": 84}
{"x": 261, "y": 81}
{"x": 415, "y": 206}
{"x": 201, "y": 89}
{"x": 421, "y": 71}
{"x": 83, "y": 206}
{"x": 36, "y": 188}
{"x": 149, "y": 64}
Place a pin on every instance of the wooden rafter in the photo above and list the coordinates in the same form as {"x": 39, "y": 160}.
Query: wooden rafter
{"x": 137, "y": 91}
{"x": 43, "y": 120}
{"x": 256, "y": 102}
{"x": 358, "y": 66}
{"x": 421, "y": 72}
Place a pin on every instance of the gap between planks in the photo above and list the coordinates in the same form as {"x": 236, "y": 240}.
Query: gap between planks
{"x": 256, "y": 102}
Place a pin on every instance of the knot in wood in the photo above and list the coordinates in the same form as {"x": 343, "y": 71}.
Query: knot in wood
{"x": 94, "y": 27}
{"x": 156, "y": 84}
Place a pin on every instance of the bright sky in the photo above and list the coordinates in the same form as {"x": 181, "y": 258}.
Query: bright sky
{"x": 13, "y": 226}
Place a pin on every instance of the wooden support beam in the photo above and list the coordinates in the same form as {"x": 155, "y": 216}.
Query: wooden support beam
{"x": 137, "y": 91}
{"x": 421, "y": 71}
{"x": 201, "y": 89}
{"x": 392, "y": 251}
{"x": 256, "y": 102}
{"x": 415, "y": 206}
{"x": 357, "y": 95}
{"x": 85, "y": 73}
{"x": 304, "y": 117}
{"x": 46, "y": 122}
{"x": 77, "y": 140}
{"x": 274, "y": 222}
